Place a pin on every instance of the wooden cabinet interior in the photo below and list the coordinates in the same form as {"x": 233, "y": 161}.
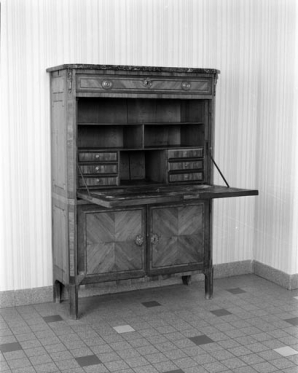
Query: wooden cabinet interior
{"x": 132, "y": 180}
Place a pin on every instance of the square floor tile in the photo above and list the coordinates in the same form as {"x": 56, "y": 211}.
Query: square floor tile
{"x": 236, "y": 291}
{"x": 293, "y": 321}
{"x": 152, "y": 303}
{"x": 9, "y": 347}
{"x": 85, "y": 361}
{"x": 53, "y": 318}
{"x": 286, "y": 351}
{"x": 123, "y": 329}
{"x": 201, "y": 340}
{"x": 221, "y": 312}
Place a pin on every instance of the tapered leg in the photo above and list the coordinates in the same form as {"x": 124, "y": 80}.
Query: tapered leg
{"x": 73, "y": 301}
{"x": 186, "y": 280}
{"x": 57, "y": 291}
{"x": 208, "y": 283}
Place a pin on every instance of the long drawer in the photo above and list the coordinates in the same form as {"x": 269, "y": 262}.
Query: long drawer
{"x": 94, "y": 83}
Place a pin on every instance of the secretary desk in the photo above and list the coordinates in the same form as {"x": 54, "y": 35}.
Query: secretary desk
{"x": 132, "y": 174}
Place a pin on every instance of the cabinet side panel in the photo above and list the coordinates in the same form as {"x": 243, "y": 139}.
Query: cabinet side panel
{"x": 58, "y": 135}
{"x": 60, "y": 241}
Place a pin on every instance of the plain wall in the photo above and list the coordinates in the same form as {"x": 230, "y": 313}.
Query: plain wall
{"x": 252, "y": 42}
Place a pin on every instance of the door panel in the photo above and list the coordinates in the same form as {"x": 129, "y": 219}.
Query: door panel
{"x": 177, "y": 236}
{"x": 111, "y": 244}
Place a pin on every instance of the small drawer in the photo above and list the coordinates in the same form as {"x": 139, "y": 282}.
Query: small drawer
{"x": 192, "y": 176}
{"x": 97, "y": 156}
{"x": 186, "y": 165}
{"x": 98, "y": 181}
{"x": 185, "y": 153}
{"x": 99, "y": 169}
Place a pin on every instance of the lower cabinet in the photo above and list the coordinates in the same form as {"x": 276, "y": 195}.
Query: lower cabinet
{"x": 144, "y": 240}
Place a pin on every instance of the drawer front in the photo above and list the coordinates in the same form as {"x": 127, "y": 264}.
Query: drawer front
{"x": 98, "y": 181}
{"x": 192, "y": 176}
{"x": 144, "y": 84}
{"x": 185, "y": 153}
{"x": 97, "y": 156}
{"x": 187, "y": 165}
{"x": 99, "y": 169}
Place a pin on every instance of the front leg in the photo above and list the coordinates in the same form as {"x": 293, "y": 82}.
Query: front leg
{"x": 57, "y": 289}
{"x": 73, "y": 301}
{"x": 208, "y": 283}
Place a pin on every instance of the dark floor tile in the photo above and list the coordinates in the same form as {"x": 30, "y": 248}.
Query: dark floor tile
{"x": 201, "y": 340}
{"x": 53, "y": 318}
{"x": 85, "y": 361}
{"x": 9, "y": 347}
{"x": 293, "y": 321}
{"x": 221, "y": 312}
{"x": 152, "y": 303}
{"x": 236, "y": 291}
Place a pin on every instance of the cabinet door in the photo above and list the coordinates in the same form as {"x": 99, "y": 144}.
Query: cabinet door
{"x": 114, "y": 241}
{"x": 177, "y": 236}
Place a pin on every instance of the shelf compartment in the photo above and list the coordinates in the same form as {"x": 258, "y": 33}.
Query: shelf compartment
{"x": 118, "y": 136}
{"x": 143, "y": 167}
{"x": 173, "y": 135}
{"x": 113, "y": 111}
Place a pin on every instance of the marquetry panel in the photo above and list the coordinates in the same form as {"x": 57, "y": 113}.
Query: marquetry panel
{"x": 177, "y": 236}
{"x": 111, "y": 241}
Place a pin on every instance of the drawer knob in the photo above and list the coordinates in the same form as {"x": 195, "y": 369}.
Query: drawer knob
{"x": 139, "y": 240}
{"x": 186, "y": 86}
{"x": 97, "y": 156}
{"x": 107, "y": 84}
{"x": 147, "y": 82}
{"x": 154, "y": 239}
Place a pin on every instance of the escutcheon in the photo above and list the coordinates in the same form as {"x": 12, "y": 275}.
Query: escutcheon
{"x": 154, "y": 239}
{"x": 147, "y": 82}
{"x": 139, "y": 240}
{"x": 107, "y": 84}
{"x": 185, "y": 86}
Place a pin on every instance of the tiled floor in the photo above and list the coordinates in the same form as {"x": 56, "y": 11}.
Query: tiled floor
{"x": 251, "y": 325}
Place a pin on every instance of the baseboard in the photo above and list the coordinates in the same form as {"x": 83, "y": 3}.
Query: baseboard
{"x": 24, "y": 297}
{"x": 45, "y": 294}
{"x": 281, "y": 278}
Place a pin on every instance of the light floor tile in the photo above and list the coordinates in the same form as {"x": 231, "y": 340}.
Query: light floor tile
{"x": 123, "y": 329}
{"x": 286, "y": 351}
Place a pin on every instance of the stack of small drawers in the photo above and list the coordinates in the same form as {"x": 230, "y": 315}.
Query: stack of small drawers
{"x": 98, "y": 168}
{"x": 185, "y": 165}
